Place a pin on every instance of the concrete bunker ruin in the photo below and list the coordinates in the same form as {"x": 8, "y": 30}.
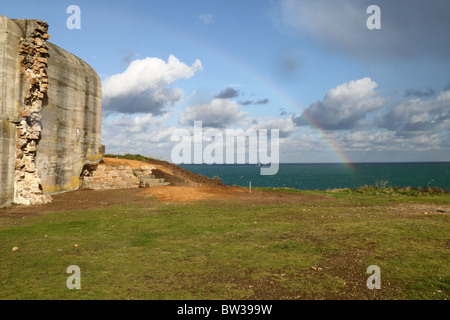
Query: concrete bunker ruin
{"x": 50, "y": 115}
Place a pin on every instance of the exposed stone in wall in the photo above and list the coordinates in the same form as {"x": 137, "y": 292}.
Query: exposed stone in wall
{"x": 99, "y": 177}
{"x": 109, "y": 177}
{"x": 33, "y": 63}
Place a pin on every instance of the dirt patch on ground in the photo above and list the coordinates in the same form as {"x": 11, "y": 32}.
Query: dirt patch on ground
{"x": 192, "y": 193}
{"x": 78, "y": 200}
{"x": 196, "y": 193}
{"x": 94, "y": 199}
{"x": 349, "y": 266}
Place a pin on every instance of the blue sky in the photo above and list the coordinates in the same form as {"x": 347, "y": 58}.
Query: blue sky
{"x": 373, "y": 95}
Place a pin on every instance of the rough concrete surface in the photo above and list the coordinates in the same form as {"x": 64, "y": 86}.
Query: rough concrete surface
{"x": 50, "y": 114}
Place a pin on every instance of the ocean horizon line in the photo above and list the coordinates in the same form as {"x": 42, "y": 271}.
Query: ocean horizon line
{"x": 319, "y": 163}
{"x": 331, "y": 175}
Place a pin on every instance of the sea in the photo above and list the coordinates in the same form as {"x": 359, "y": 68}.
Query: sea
{"x": 323, "y": 176}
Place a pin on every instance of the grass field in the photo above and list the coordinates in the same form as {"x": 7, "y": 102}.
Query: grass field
{"x": 231, "y": 249}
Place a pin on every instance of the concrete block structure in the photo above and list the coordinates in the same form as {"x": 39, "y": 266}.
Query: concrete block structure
{"x": 50, "y": 115}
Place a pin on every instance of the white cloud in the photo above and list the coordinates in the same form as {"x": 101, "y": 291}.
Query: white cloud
{"x": 346, "y": 106}
{"x": 136, "y": 123}
{"x": 219, "y": 113}
{"x": 142, "y": 87}
{"x": 417, "y": 116}
{"x": 148, "y": 74}
{"x": 138, "y": 134}
{"x": 286, "y": 126}
{"x": 206, "y": 18}
{"x": 386, "y": 141}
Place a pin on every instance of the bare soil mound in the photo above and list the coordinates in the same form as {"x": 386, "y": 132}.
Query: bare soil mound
{"x": 170, "y": 172}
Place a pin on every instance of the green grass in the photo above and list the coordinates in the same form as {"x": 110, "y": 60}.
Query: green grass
{"x": 377, "y": 195}
{"x": 128, "y": 156}
{"x": 231, "y": 250}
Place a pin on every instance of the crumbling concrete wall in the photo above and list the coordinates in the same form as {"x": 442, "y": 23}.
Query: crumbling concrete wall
{"x": 7, "y": 160}
{"x": 50, "y": 118}
{"x": 10, "y": 34}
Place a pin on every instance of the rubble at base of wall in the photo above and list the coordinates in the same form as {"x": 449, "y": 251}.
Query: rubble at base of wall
{"x": 98, "y": 177}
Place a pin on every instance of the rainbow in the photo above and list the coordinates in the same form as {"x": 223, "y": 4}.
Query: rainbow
{"x": 329, "y": 141}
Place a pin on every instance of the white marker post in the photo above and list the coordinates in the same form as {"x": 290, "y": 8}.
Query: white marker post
{"x": 250, "y": 186}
